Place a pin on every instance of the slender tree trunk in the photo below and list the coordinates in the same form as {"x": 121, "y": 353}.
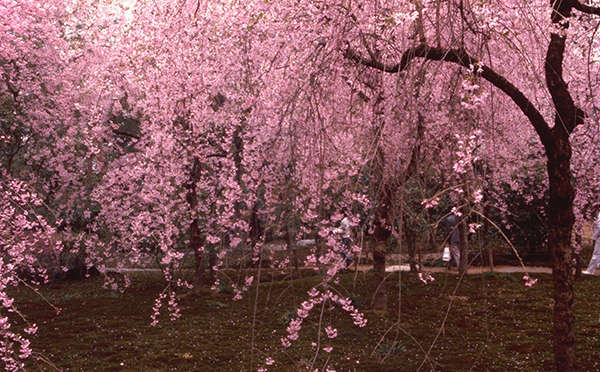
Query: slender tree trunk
{"x": 411, "y": 247}
{"x": 380, "y": 294}
{"x": 196, "y": 243}
{"x": 212, "y": 261}
{"x": 561, "y": 219}
{"x": 196, "y": 239}
{"x": 577, "y": 255}
{"x": 290, "y": 234}
{"x": 463, "y": 246}
{"x": 380, "y": 240}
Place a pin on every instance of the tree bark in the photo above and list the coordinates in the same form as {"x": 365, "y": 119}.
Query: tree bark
{"x": 561, "y": 219}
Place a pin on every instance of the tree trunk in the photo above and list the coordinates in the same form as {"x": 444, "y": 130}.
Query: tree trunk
{"x": 411, "y": 247}
{"x": 196, "y": 240}
{"x": 380, "y": 294}
{"x": 196, "y": 243}
{"x": 561, "y": 219}
{"x": 212, "y": 261}
{"x": 290, "y": 234}
{"x": 463, "y": 246}
{"x": 577, "y": 255}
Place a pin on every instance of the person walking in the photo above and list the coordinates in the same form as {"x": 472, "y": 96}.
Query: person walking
{"x": 451, "y": 229}
{"x": 346, "y": 232}
{"x": 595, "y": 260}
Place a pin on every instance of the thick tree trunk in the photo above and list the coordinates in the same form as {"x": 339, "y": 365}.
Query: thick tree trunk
{"x": 561, "y": 218}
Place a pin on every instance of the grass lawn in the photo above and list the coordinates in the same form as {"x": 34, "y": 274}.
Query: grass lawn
{"x": 486, "y": 322}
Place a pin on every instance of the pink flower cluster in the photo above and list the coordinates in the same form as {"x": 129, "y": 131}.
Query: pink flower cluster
{"x": 529, "y": 282}
{"x": 426, "y": 277}
{"x": 316, "y": 297}
{"x": 26, "y": 239}
{"x": 238, "y": 292}
{"x": 430, "y": 203}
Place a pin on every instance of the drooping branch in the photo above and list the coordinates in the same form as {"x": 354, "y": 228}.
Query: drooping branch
{"x": 586, "y": 8}
{"x": 462, "y": 58}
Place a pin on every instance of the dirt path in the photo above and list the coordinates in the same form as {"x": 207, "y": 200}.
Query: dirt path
{"x": 471, "y": 270}
{"x": 394, "y": 268}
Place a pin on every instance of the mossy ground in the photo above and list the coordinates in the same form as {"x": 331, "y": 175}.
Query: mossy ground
{"x": 486, "y": 322}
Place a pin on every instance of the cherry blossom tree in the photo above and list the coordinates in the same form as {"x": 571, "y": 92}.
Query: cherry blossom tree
{"x": 475, "y": 26}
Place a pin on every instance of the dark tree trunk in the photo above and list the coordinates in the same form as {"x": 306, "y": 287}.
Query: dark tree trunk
{"x": 411, "y": 170}
{"x": 196, "y": 239}
{"x": 196, "y": 243}
{"x": 212, "y": 261}
{"x": 256, "y": 227}
{"x": 577, "y": 256}
{"x": 381, "y": 236}
{"x": 560, "y": 219}
{"x": 463, "y": 246}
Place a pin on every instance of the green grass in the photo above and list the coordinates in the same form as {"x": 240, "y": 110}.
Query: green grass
{"x": 494, "y": 323}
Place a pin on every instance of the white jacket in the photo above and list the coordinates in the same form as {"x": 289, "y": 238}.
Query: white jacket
{"x": 344, "y": 228}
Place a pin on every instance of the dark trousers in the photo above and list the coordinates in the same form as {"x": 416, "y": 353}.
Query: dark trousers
{"x": 346, "y": 251}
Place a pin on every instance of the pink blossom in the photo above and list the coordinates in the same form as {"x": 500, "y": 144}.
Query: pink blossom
{"x": 426, "y": 277}
{"x": 430, "y": 203}
{"x": 529, "y": 282}
{"x": 31, "y": 330}
{"x": 331, "y": 332}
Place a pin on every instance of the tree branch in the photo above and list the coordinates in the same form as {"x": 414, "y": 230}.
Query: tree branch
{"x": 462, "y": 58}
{"x": 585, "y": 8}
{"x": 568, "y": 115}
{"x": 217, "y": 155}
{"x": 126, "y": 134}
